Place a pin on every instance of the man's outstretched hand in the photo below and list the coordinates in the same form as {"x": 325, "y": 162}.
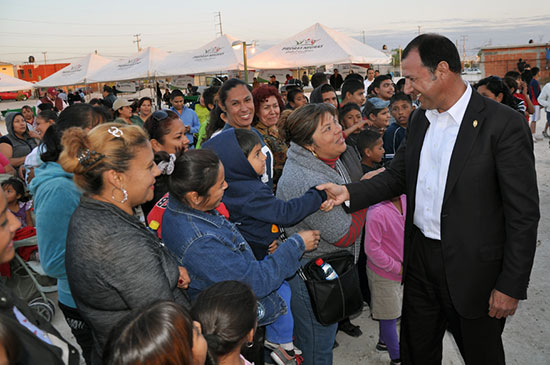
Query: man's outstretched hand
{"x": 337, "y": 193}
{"x": 501, "y": 305}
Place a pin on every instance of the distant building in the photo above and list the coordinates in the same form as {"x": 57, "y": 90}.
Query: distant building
{"x": 498, "y": 60}
{"x": 33, "y": 72}
{"x": 7, "y": 69}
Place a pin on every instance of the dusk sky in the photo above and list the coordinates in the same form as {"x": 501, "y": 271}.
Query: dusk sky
{"x": 68, "y": 29}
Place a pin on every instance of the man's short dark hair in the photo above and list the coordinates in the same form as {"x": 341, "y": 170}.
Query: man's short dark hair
{"x": 378, "y": 81}
{"x": 355, "y": 77}
{"x": 175, "y": 94}
{"x": 318, "y": 79}
{"x": 433, "y": 49}
{"x": 351, "y": 86}
{"x": 367, "y": 139}
{"x": 534, "y": 71}
{"x": 400, "y": 96}
{"x": 513, "y": 74}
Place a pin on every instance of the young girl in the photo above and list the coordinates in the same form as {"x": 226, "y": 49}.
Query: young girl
{"x": 226, "y": 312}
{"x": 384, "y": 237}
{"x": 18, "y": 200}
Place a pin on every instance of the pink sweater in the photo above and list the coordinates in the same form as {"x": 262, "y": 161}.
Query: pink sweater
{"x": 384, "y": 238}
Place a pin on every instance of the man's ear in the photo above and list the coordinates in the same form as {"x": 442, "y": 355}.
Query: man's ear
{"x": 442, "y": 69}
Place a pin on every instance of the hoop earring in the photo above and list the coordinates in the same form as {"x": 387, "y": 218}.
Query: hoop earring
{"x": 124, "y": 192}
{"x": 249, "y": 344}
{"x": 314, "y": 154}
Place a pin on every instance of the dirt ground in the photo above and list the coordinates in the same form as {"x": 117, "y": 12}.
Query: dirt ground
{"x": 526, "y": 334}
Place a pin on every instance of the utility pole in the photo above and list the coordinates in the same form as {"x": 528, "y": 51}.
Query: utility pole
{"x": 219, "y": 16}
{"x": 44, "y": 53}
{"x": 137, "y": 41}
{"x": 419, "y": 29}
{"x": 364, "y": 37}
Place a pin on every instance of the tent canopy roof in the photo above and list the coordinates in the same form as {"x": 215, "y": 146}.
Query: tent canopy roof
{"x": 317, "y": 45}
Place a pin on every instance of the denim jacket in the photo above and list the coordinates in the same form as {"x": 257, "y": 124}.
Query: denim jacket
{"x": 212, "y": 250}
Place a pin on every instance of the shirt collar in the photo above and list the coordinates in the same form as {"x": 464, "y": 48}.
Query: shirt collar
{"x": 458, "y": 110}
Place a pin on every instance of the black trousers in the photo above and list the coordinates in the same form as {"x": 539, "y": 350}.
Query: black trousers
{"x": 81, "y": 331}
{"x": 428, "y": 312}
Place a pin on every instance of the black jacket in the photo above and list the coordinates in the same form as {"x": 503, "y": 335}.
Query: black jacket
{"x": 490, "y": 210}
{"x": 31, "y": 349}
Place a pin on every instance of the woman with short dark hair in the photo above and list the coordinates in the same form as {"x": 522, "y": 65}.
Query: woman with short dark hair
{"x": 316, "y": 155}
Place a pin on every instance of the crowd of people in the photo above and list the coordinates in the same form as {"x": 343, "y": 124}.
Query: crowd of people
{"x": 176, "y": 235}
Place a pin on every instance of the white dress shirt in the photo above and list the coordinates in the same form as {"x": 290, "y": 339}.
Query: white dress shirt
{"x": 435, "y": 158}
{"x": 367, "y": 83}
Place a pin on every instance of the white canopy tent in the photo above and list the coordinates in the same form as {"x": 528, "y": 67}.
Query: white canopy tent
{"x": 141, "y": 65}
{"x": 77, "y": 73}
{"x": 214, "y": 56}
{"x": 8, "y": 83}
{"x": 317, "y": 45}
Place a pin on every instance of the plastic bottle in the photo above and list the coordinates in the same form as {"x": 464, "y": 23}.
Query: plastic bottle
{"x": 154, "y": 226}
{"x": 330, "y": 273}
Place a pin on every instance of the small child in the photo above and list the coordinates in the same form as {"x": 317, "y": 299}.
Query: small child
{"x": 257, "y": 213}
{"x": 400, "y": 107}
{"x": 296, "y": 98}
{"x": 370, "y": 146}
{"x": 384, "y": 237}
{"x": 352, "y": 122}
{"x": 377, "y": 112}
{"x": 18, "y": 200}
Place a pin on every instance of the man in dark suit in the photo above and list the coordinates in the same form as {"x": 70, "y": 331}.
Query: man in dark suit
{"x": 468, "y": 170}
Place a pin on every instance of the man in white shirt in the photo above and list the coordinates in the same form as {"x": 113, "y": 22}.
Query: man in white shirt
{"x": 368, "y": 80}
{"x": 467, "y": 167}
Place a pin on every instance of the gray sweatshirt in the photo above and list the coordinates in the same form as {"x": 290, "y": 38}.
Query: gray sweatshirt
{"x": 302, "y": 171}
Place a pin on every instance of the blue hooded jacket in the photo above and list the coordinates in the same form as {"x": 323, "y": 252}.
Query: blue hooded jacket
{"x": 55, "y": 199}
{"x": 252, "y": 206}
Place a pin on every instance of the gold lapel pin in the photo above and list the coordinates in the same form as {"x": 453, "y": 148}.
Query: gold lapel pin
{"x": 474, "y": 123}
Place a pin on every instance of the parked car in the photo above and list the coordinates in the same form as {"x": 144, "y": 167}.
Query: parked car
{"x": 15, "y": 95}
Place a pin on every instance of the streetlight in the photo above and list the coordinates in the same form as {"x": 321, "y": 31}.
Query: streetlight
{"x": 239, "y": 44}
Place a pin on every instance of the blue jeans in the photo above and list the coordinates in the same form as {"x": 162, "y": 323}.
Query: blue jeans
{"x": 314, "y": 339}
{"x": 280, "y": 331}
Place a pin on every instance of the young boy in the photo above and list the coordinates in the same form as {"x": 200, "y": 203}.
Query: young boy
{"x": 370, "y": 146}
{"x": 209, "y": 96}
{"x": 400, "y": 107}
{"x": 353, "y": 91}
{"x": 258, "y": 213}
{"x": 377, "y": 112}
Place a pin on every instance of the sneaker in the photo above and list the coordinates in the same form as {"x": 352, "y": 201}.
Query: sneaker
{"x": 395, "y": 362}
{"x": 545, "y": 134}
{"x": 284, "y": 357}
{"x": 537, "y": 138}
{"x": 381, "y": 346}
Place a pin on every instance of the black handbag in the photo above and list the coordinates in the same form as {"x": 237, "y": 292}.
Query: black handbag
{"x": 333, "y": 300}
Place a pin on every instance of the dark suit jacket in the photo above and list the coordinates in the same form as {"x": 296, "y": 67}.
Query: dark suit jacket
{"x": 490, "y": 209}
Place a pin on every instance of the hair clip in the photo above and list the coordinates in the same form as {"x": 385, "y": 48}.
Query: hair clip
{"x": 88, "y": 158}
{"x": 167, "y": 167}
{"x": 115, "y": 131}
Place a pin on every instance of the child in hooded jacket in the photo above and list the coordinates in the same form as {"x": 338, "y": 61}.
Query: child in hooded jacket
{"x": 258, "y": 213}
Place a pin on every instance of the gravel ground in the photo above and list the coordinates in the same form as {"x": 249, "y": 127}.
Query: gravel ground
{"x": 526, "y": 334}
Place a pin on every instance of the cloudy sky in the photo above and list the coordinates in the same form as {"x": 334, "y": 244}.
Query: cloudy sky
{"x": 67, "y": 29}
